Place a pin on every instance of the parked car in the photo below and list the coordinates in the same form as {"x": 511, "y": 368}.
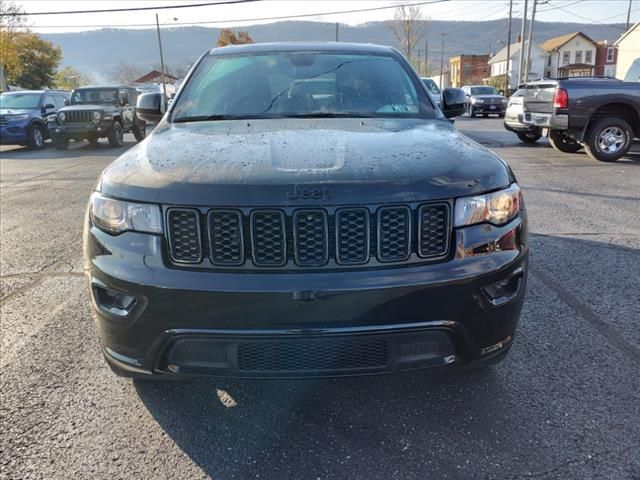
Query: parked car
{"x": 600, "y": 114}
{"x": 23, "y": 116}
{"x": 433, "y": 89}
{"x": 264, "y": 230}
{"x": 98, "y": 112}
{"x": 514, "y": 121}
{"x": 484, "y": 100}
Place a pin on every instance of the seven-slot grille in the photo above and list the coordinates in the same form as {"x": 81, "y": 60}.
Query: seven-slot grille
{"x": 78, "y": 116}
{"x": 308, "y": 237}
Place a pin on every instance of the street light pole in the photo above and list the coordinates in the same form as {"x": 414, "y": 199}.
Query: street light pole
{"x": 164, "y": 85}
{"x": 522, "y": 32}
{"x": 527, "y": 65}
{"x": 506, "y": 73}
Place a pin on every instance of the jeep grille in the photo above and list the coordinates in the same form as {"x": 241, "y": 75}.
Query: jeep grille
{"x": 308, "y": 238}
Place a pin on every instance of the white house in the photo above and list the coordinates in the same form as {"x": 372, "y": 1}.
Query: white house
{"x": 628, "y": 51}
{"x": 498, "y": 63}
{"x": 570, "y": 55}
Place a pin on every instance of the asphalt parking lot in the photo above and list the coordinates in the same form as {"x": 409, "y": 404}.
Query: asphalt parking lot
{"x": 564, "y": 404}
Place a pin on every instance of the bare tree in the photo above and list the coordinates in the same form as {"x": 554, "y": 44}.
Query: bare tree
{"x": 408, "y": 26}
{"x": 126, "y": 73}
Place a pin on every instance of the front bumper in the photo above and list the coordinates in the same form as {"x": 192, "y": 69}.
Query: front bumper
{"x": 307, "y": 324}
{"x": 79, "y": 131}
{"x": 488, "y": 108}
{"x": 547, "y": 120}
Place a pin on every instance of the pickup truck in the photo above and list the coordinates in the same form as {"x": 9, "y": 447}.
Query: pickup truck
{"x": 600, "y": 114}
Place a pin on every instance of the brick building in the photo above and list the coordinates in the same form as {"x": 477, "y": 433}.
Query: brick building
{"x": 468, "y": 69}
{"x": 606, "y": 58}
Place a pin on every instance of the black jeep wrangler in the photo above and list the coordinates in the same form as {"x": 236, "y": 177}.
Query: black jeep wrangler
{"x": 98, "y": 112}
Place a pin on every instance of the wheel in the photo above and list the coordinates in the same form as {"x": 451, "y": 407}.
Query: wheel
{"x": 93, "y": 140}
{"x": 61, "y": 143}
{"x": 140, "y": 131}
{"x": 529, "y": 137}
{"x": 472, "y": 111}
{"x": 116, "y": 136}
{"x": 608, "y": 139}
{"x": 485, "y": 115}
{"x": 560, "y": 141}
{"x": 501, "y": 115}
{"x": 36, "y": 137}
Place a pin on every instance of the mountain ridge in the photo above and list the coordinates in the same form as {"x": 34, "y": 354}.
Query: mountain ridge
{"x": 100, "y": 52}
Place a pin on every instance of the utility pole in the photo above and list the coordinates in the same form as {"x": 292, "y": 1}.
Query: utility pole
{"x": 426, "y": 58}
{"x": 628, "y": 15}
{"x": 522, "y": 32}
{"x": 442, "y": 61}
{"x": 337, "y": 31}
{"x": 419, "y": 62}
{"x": 506, "y": 73}
{"x": 527, "y": 65}
{"x": 164, "y": 85}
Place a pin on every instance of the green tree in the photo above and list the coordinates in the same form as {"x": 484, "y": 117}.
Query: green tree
{"x": 69, "y": 78}
{"x": 228, "y": 37}
{"x": 39, "y": 60}
{"x": 11, "y": 23}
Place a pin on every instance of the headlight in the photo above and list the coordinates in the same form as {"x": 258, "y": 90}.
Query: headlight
{"x": 17, "y": 118}
{"x": 479, "y": 100}
{"x": 62, "y": 116}
{"x": 96, "y": 117}
{"x": 116, "y": 216}
{"x": 496, "y": 208}
{"x": 504, "y": 100}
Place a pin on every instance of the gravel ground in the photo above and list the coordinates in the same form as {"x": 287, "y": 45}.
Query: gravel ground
{"x": 564, "y": 404}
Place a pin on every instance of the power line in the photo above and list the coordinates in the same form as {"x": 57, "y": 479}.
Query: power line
{"x": 130, "y": 9}
{"x": 239, "y": 20}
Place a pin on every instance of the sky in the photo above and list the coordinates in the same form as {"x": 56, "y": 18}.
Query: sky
{"x": 583, "y": 11}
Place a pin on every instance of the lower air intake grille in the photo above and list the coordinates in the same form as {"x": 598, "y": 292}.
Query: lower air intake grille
{"x": 184, "y": 238}
{"x": 312, "y": 355}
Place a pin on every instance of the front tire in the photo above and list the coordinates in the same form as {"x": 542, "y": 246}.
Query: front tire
{"x": 36, "y": 137}
{"x": 472, "y": 112}
{"x": 608, "y": 139}
{"x": 140, "y": 131}
{"x": 116, "y": 135}
{"x": 563, "y": 143}
{"x": 529, "y": 137}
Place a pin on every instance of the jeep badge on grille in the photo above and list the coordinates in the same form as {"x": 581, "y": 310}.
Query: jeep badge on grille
{"x": 309, "y": 193}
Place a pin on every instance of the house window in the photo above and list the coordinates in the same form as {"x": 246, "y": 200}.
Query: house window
{"x": 549, "y": 61}
{"x": 588, "y": 56}
{"x": 578, "y": 56}
{"x": 609, "y": 54}
{"x": 565, "y": 58}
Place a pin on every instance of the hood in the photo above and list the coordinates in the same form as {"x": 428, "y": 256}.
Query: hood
{"x": 16, "y": 111}
{"x": 303, "y": 162}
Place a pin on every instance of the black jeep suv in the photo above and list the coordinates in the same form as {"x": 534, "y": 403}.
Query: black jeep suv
{"x": 304, "y": 210}
{"x": 98, "y": 112}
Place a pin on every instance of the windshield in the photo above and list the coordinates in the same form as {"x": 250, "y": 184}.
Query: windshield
{"x": 431, "y": 86}
{"x": 94, "y": 96}
{"x": 483, "y": 91}
{"x": 20, "y": 100}
{"x": 300, "y": 84}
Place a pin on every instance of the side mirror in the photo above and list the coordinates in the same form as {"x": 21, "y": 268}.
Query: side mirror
{"x": 123, "y": 100}
{"x": 66, "y": 102}
{"x": 149, "y": 107}
{"x": 49, "y": 106}
{"x": 453, "y": 102}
